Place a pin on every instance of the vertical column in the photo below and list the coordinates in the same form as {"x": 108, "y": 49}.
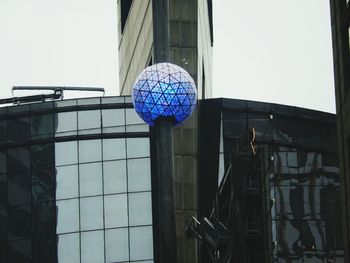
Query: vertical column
{"x": 165, "y": 189}
{"x": 161, "y": 34}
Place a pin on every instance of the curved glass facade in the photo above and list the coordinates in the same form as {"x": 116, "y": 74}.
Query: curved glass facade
{"x": 75, "y": 183}
{"x": 288, "y": 192}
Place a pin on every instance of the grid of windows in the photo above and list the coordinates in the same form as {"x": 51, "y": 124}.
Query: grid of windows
{"x": 67, "y": 192}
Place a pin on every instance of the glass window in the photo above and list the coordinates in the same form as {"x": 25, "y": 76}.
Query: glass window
{"x": 141, "y": 243}
{"x": 91, "y": 213}
{"x": 66, "y": 182}
{"x": 140, "y": 209}
{"x": 113, "y": 149}
{"x": 42, "y": 156}
{"x": 114, "y": 177}
{"x": 18, "y": 159}
{"x": 3, "y": 162}
{"x": 132, "y": 117}
{"x": 3, "y": 224}
{"x": 89, "y": 120}
{"x": 68, "y": 248}
{"x": 139, "y": 175}
{"x": 43, "y": 185}
{"x": 44, "y": 250}
{"x": 90, "y": 151}
{"x": 116, "y": 214}
{"x": 90, "y": 177}
{"x": 66, "y": 153}
{"x": 18, "y": 128}
{"x": 19, "y": 225}
{"x": 42, "y": 124}
{"x": 21, "y": 251}
{"x": 3, "y": 130}
{"x": 113, "y": 117}
{"x": 285, "y": 129}
{"x": 67, "y": 216}
{"x": 137, "y": 128}
{"x": 66, "y": 122}
{"x": 137, "y": 147}
{"x": 92, "y": 247}
{"x": 43, "y": 219}
{"x": 3, "y": 190}
{"x": 117, "y": 245}
{"x": 19, "y": 188}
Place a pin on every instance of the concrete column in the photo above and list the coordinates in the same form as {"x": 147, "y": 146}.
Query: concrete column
{"x": 161, "y": 31}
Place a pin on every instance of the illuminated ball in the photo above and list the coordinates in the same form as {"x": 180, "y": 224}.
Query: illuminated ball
{"x": 164, "y": 90}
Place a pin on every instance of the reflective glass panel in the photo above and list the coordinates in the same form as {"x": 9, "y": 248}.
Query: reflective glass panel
{"x": 66, "y": 182}
{"x": 42, "y": 124}
{"x": 67, "y": 216}
{"x": 139, "y": 175}
{"x": 91, "y": 213}
{"x": 114, "y": 176}
{"x": 18, "y": 128}
{"x": 43, "y": 219}
{"x": 68, "y": 248}
{"x": 140, "y": 209}
{"x": 113, "y": 149}
{"x": 90, "y": 177}
{"x": 90, "y": 151}
{"x": 113, "y": 117}
{"x": 66, "y": 153}
{"x": 116, "y": 213}
{"x": 19, "y": 222}
{"x": 92, "y": 247}
{"x": 21, "y": 251}
{"x": 3, "y": 224}
{"x": 42, "y": 156}
{"x": 44, "y": 250}
{"x": 3, "y": 190}
{"x": 18, "y": 159}
{"x": 65, "y": 121}
{"x": 3, "y": 162}
{"x": 117, "y": 245}
{"x": 141, "y": 243}
{"x": 43, "y": 185}
{"x": 132, "y": 117}
{"x": 137, "y": 147}
{"x": 19, "y": 188}
{"x": 89, "y": 119}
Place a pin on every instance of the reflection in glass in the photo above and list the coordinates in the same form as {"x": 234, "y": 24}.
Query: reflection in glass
{"x": 92, "y": 247}
{"x": 65, "y": 122}
{"x": 90, "y": 151}
{"x": 43, "y": 185}
{"x": 19, "y": 188}
{"x": 18, "y": 159}
{"x": 3, "y": 224}
{"x": 91, "y": 213}
{"x": 137, "y": 147}
{"x": 44, "y": 250}
{"x": 42, "y": 156}
{"x": 19, "y": 223}
{"x": 43, "y": 219}
{"x": 68, "y": 248}
{"x": 42, "y": 124}
{"x": 140, "y": 209}
{"x": 114, "y": 177}
{"x": 116, "y": 214}
{"x": 141, "y": 243}
{"x": 21, "y": 251}
{"x": 18, "y": 128}
{"x": 90, "y": 178}
{"x": 139, "y": 175}
{"x": 66, "y": 182}
{"x": 113, "y": 149}
{"x": 67, "y": 216}
{"x": 117, "y": 245}
{"x": 66, "y": 153}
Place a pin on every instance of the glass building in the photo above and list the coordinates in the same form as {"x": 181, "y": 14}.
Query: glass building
{"x": 75, "y": 183}
{"x": 269, "y": 174}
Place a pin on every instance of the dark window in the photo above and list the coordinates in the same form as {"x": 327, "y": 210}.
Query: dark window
{"x": 124, "y": 12}
{"x": 18, "y": 128}
{"x": 42, "y": 156}
{"x": 3, "y": 225}
{"x": 42, "y": 125}
{"x": 19, "y": 188}
{"x": 44, "y": 250}
{"x": 19, "y": 225}
{"x": 20, "y": 251}
{"x": 43, "y": 219}
{"x": 18, "y": 159}
{"x": 43, "y": 185}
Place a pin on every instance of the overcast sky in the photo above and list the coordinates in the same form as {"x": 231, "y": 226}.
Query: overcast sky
{"x": 266, "y": 50}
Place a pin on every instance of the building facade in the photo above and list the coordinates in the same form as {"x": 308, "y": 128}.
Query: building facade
{"x": 269, "y": 183}
{"x": 340, "y": 19}
{"x": 75, "y": 183}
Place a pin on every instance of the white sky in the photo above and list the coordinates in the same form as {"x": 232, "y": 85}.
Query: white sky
{"x": 266, "y": 50}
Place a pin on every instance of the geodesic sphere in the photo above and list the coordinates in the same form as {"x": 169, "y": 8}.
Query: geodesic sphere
{"x": 164, "y": 90}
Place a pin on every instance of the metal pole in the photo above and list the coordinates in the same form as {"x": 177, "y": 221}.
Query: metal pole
{"x": 165, "y": 189}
